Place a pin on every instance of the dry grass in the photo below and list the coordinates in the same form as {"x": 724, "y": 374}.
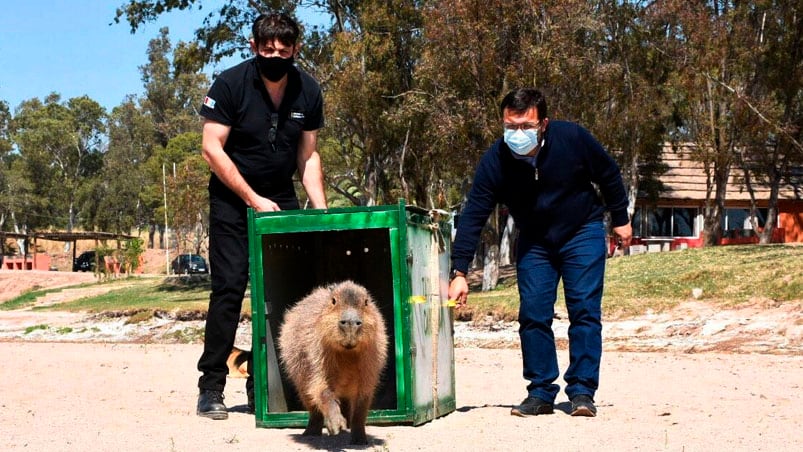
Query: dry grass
{"x": 729, "y": 276}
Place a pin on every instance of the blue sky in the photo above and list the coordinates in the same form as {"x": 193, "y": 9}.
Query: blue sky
{"x": 69, "y": 46}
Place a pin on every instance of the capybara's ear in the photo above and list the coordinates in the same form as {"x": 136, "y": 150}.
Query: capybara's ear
{"x": 334, "y": 300}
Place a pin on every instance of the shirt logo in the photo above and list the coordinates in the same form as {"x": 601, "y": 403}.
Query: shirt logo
{"x": 209, "y": 102}
{"x": 297, "y": 115}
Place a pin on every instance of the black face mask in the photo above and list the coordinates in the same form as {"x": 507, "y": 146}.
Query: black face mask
{"x": 274, "y": 68}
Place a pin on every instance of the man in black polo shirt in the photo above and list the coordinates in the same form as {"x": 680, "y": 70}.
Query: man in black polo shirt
{"x": 260, "y": 127}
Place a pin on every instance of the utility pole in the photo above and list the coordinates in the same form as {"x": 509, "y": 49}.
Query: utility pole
{"x": 167, "y": 231}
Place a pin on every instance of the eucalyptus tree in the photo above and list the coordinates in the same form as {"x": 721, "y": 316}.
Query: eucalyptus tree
{"x": 630, "y": 94}
{"x": 5, "y": 131}
{"x": 224, "y": 31}
{"x": 365, "y": 62}
{"x": 5, "y": 156}
{"x": 711, "y": 50}
{"x": 113, "y": 200}
{"x": 367, "y": 68}
{"x": 772, "y": 102}
{"x": 174, "y": 87}
{"x": 60, "y": 145}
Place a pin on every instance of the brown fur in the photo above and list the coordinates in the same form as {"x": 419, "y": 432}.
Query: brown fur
{"x": 332, "y": 361}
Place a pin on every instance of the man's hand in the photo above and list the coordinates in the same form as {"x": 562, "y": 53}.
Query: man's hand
{"x": 625, "y": 234}
{"x": 458, "y": 290}
{"x": 260, "y": 204}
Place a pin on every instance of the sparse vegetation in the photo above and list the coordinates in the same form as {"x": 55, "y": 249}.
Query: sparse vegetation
{"x": 186, "y": 335}
{"x": 33, "y": 328}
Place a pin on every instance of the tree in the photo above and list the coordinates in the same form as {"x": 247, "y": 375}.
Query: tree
{"x": 712, "y": 49}
{"x": 221, "y": 33}
{"x": 174, "y": 88}
{"x": 772, "y": 102}
{"x": 5, "y": 132}
{"x": 5, "y": 149}
{"x": 113, "y": 200}
{"x": 61, "y": 146}
{"x": 188, "y": 199}
{"x": 412, "y": 88}
{"x": 368, "y": 74}
{"x": 365, "y": 63}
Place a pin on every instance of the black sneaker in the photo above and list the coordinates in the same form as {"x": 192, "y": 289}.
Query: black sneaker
{"x": 583, "y": 405}
{"x": 532, "y": 406}
{"x": 210, "y": 404}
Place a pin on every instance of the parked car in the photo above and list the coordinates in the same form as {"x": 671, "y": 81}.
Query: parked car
{"x": 85, "y": 262}
{"x": 186, "y": 264}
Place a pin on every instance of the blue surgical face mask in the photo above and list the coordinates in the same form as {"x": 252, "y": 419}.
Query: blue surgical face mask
{"x": 521, "y": 141}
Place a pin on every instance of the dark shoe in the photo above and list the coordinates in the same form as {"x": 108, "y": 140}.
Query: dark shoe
{"x": 532, "y": 406}
{"x": 251, "y": 404}
{"x": 210, "y": 404}
{"x": 583, "y": 405}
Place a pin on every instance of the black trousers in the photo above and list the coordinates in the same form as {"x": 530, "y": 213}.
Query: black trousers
{"x": 228, "y": 263}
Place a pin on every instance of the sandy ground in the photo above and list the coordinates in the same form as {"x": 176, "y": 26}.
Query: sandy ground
{"x": 701, "y": 380}
{"x": 141, "y": 397}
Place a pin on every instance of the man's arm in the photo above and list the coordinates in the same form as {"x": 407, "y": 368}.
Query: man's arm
{"x": 214, "y": 137}
{"x": 309, "y": 168}
{"x": 481, "y": 201}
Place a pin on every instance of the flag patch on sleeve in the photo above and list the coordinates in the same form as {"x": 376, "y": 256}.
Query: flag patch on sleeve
{"x": 209, "y": 102}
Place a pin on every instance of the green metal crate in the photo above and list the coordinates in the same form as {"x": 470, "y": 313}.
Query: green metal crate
{"x": 401, "y": 255}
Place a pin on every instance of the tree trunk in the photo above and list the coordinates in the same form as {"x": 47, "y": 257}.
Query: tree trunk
{"x": 507, "y": 241}
{"x": 490, "y": 239}
{"x": 716, "y": 208}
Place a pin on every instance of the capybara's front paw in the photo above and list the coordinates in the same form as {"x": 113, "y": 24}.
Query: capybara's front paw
{"x": 335, "y": 422}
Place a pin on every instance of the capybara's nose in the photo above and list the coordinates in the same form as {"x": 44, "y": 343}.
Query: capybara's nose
{"x": 350, "y": 321}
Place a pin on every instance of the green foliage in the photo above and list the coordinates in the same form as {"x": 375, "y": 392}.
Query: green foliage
{"x": 173, "y": 89}
{"x": 60, "y": 146}
{"x": 132, "y": 254}
{"x": 112, "y": 201}
{"x": 5, "y": 133}
{"x": 31, "y": 329}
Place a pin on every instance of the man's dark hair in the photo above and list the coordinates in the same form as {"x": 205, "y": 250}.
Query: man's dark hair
{"x": 270, "y": 27}
{"x": 522, "y": 99}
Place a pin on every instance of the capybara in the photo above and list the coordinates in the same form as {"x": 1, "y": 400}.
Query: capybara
{"x": 333, "y": 346}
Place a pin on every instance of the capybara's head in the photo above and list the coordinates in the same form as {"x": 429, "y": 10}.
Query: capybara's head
{"x": 350, "y": 317}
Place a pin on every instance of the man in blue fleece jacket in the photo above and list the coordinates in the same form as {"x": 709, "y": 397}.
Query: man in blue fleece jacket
{"x": 545, "y": 172}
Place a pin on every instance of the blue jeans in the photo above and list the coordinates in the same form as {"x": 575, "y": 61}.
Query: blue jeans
{"x": 581, "y": 264}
